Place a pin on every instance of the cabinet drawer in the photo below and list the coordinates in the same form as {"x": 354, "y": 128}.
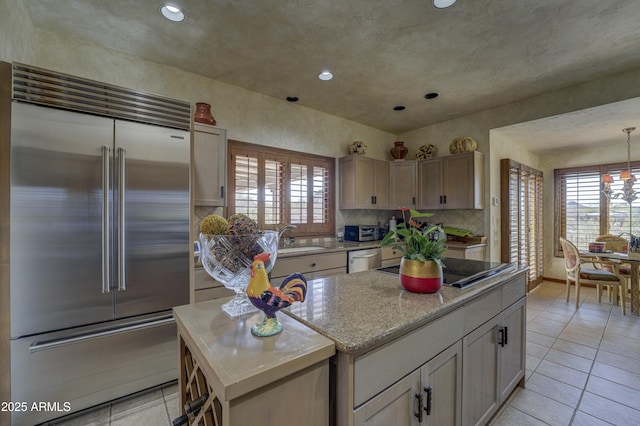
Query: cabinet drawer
{"x": 380, "y": 368}
{"x": 482, "y": 310}
{"x": 389, "y": 253}
{"x": 276, "y": 281}
{"x": 455, "y": 253}
{"x": 212, "y": 293}
{"x": 302, "y": 264}
{"x": 203, "y": 280}
{"x": 514, "y": 290}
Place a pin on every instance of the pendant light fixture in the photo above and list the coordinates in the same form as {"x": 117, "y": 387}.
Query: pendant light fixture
{"x": 627, "y": 194}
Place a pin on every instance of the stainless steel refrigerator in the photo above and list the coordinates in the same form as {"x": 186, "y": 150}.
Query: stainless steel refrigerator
{"x": 99, "y": 250}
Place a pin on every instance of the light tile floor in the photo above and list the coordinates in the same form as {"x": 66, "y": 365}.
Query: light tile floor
{"x": 583, "y": 368}
{"x": 157, "y": 407}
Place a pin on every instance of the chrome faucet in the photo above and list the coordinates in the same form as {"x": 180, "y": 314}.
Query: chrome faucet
{"x": 283, "y": 230}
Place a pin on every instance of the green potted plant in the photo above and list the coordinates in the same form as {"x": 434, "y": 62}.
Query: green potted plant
{"x": 421, "y": 264}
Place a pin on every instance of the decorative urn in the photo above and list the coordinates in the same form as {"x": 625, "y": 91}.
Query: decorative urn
{"x": 399, "y": 151}
{"x": 203, "y": 114}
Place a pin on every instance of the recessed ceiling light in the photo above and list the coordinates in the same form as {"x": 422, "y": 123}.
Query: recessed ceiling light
{"x": 325, "y": 75}
{"x": 398, "y": 107}
{"x": 431, "y": 95}
{"x": 292, "y": 98}
{"x": 172, "y": 13}
{"x": 443, "y": 4}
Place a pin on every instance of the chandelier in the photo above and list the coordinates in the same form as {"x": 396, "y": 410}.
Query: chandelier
{"x": 627, "y": 194}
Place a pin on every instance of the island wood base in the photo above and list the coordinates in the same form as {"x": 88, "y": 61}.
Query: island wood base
{"x": 277, "y": 380}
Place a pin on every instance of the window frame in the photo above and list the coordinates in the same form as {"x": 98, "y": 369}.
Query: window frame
{"x": 603, "y": 207}
{"x": 287, "y": 157}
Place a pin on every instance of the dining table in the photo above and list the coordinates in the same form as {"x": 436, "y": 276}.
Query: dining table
{"x": 635, "y": 273}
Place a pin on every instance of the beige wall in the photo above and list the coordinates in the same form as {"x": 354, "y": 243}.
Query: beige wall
{"x": 17, "y": 35}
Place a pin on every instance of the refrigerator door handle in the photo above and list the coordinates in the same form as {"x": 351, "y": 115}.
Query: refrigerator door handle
{"x": 106, "y": 278}
{"x": 44, "y": 345}
{"x": 122, "y": 285}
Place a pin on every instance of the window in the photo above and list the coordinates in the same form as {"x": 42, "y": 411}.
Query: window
{"x": 276, "y": 186}
{"x": 583, "y": 212}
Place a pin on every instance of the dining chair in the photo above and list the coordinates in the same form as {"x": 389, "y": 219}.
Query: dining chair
{"x": 620, "y": 245}
{"x": 580, "y": 274}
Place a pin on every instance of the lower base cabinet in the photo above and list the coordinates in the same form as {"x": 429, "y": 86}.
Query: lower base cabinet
{"x": 464, "y": 384}
{"x": 427, "y": 396}
{"x": 493, "y": 363}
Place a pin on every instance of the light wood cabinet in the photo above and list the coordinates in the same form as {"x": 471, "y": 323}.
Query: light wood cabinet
{"x": 429, "y": 395}
{"x": 461, "y": 252}
{"x": 209, "y": 171}
{"x": 312, "y": 266}
{"x": 364, "y": 183}
{"x": 452, "y": 182}
{"x": 414, "y": 381}
{"x": 403, "y": 178}
{"x": 398, "y": 405}
{"x": 390, "y": 256}
{"x": 442, "y": 388}
{"x": 493, "y": 360}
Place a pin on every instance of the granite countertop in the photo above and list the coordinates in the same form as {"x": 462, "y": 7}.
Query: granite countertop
{"x": 367, "y": 309}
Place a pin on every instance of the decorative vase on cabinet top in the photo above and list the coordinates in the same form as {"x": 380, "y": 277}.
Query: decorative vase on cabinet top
{"x": 203, "y": 114}
{"x": 420, "y": 277}
{"x": 399, "y": 151}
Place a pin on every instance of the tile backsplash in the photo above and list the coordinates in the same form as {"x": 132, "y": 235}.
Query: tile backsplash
{"x": 472, "y": 220}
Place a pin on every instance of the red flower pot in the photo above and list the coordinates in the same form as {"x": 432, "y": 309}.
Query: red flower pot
{"x": 420, "y": 277}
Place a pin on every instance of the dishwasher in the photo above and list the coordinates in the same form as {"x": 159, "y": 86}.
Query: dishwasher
{"x": 362, "y": 260}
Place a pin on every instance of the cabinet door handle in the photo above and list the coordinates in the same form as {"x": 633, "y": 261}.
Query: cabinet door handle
{"x": 222, "y": 192}
{"x": 313, "y": 265}
{"x": 501, "y": 334}
{"x": 373, "y": 199}
{"x": 414, "y": 201}
{"x": 418, "y": 413}
{"x": 441, "y": 199}
{"x": 445, "y": 199}
{"x": 427, "y": 407}
{"x": 506, "y": 335}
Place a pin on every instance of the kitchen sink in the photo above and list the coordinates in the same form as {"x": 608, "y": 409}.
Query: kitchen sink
{"x": 300, "y": 249}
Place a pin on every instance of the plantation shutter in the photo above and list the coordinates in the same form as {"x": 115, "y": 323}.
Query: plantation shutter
{"x": 522, "y": 217}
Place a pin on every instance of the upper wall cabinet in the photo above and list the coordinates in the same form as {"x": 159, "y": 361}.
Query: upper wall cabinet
{"x": 403, "y": 184}
{"x": 364, "y": 183}
{"x": 452, "y": 182}
{"x": 209, "y": 165}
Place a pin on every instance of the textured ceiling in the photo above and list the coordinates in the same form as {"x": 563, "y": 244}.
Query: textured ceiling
{"x": 477, "y": 54}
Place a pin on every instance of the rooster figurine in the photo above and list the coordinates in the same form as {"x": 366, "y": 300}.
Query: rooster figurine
{"x": 270, "y": 299}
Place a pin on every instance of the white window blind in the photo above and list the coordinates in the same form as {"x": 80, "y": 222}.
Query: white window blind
{"x": 583, "y": 212}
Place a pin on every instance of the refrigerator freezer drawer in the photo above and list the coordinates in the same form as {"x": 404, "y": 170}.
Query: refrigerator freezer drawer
{"x": 76, "y": 371}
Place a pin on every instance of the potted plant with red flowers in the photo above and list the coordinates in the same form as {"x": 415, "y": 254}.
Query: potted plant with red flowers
{"x": 421, "y": 264}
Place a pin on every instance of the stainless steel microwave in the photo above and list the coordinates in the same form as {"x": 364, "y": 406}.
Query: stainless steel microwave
{"x": 360, "y": 233}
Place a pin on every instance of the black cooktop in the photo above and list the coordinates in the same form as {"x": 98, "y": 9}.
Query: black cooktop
{"x": 462, "y": 273}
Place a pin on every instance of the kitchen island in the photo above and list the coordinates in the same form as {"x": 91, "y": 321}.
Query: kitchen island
{"x": 400, "y": 357}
